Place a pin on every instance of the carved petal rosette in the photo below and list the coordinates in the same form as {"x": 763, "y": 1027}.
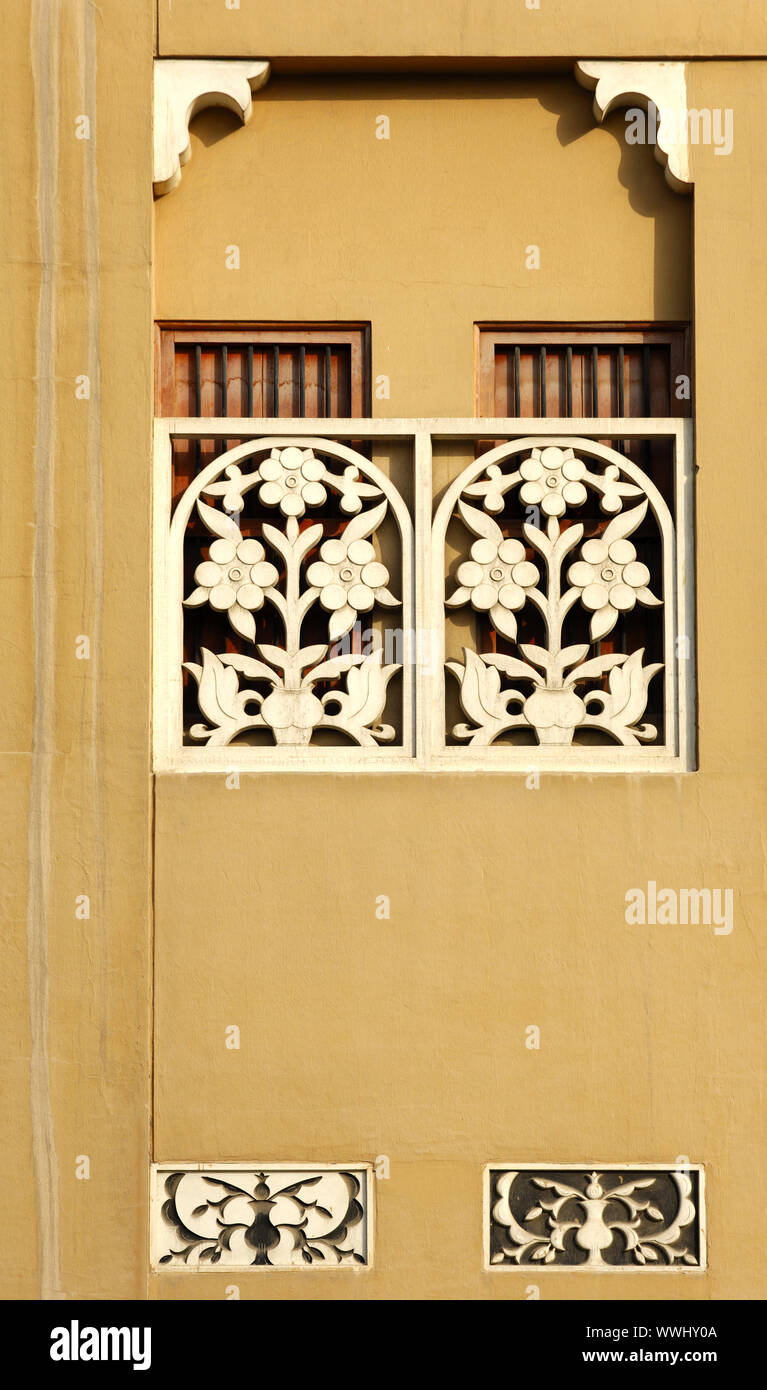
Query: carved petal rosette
{"x": 595, "y": 1219}
{"x": 549, "y": 578}
{"x": 292, "y": 569}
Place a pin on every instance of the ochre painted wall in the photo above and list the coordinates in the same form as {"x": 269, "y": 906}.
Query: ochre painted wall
{"x": 360, "y": 1037}
{"x": 423, "y": 234}
{"x": 406, "y": 1038}
{"x": 75, "y": 551}
{"x": 443, "y": 29}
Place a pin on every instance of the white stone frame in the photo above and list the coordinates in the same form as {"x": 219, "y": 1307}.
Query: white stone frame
{"x": 529, "y": 1270}
{"x": 424, "y": 747}
{"x": 676, "y": 754}
{"x": 170, "y": 755}
{"x": 160, "y": 1171}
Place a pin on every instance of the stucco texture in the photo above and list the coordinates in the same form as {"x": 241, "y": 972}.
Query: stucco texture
{"x": 361, "y": 1037}
{"x": 406, "y": 1037}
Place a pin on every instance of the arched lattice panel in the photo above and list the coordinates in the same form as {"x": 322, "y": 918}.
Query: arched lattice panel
{"x": 288, "y": 578}
{"x": 564, "y": 557}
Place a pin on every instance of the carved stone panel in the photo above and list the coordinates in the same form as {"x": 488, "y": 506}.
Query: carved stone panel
{"x": 538, "y": 612}
{"x": 254, "y": 1216}
{"x": 563, "y": 545}
{"x": 601, "y": 1218}
{"x": 291, "y": 562}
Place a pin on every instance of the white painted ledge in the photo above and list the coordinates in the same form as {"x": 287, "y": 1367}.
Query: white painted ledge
{"x": 617, "y": 84}
{"x": 182, "y": 88}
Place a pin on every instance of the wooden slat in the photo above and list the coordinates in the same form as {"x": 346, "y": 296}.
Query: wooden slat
{"x": 350, "y": 367}
{"x": 665, "y": 345}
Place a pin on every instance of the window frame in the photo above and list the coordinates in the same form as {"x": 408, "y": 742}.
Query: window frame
{"x": 355, "y": 334}
{"x": 430, "y": 751}
{"x": 489, "y": 335}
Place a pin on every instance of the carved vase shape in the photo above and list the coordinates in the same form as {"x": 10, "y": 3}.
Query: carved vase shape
{"x": 292, "y": 715}
{"x": 554, "y": 714}
{"x": 594, "y": 1235}
{"x": 261, "y": 1235}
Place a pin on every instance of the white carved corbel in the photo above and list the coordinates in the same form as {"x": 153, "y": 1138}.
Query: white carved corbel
{"x": 182, "y": 88}
{"x": 617, "y": 84}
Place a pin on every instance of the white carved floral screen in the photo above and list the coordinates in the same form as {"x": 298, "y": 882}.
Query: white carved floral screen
{"x": 296, "y": 528}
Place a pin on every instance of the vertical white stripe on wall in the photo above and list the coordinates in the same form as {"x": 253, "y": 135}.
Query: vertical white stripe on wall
{"x": 44, "y": 52}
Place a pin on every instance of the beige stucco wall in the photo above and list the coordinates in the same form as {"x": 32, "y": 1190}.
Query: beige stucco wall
{"x": 75, "y": 553}
{"x": 423, "y": 234}
{"x": 361, "y": 1037}
{"x": 347, "y": 29}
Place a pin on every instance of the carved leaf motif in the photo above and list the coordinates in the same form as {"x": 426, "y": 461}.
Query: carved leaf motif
{"x": 387, "y": 598}
{"x": 589, "y": 670}
{"x": 603, "y": 621}
{"x": 538, "y": 655}
{"x": 625, "y": 1189}
{"x": 219, "y": 699}
{"x": 248, "y": 666}
{"x": 308, "y": 538}
{"x": 276, "y": 655}
{"x": 503, "y": 621}
{"x": 334, "y": 667}
{"x": 364, "y": 524}
{"x": 243, "y": 622}
{"x": 308, "y": 655}
{"x": 563, "y": 1189}
{"x": 365, "y": 697}
{"x": 218, "y": 686}
{"x": 196, "y": 598}
{"x": 341, "y": 622}
{"x": 480, "y": 688}
{"x": 624, "y": 524}
{"x": 571, "y": 654}
{"x": 277, "y": 540}
{"x": 628, "y": 688}
{"x": 512, "y": 666}
{"x": 480, "y": 524}
{"x": 218, "y": 523}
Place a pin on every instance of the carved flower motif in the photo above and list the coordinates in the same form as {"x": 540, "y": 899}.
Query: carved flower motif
{"x": 351, "y": 581}
{"x": 292, "y": 480}
{"x": 233, "y": 581}
{"x": 611, "y": 580}
{"x": 495, "y": 580}
{"x": 552, "y": 480}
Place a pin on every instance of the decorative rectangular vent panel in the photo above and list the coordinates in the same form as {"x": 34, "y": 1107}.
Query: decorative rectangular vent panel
{"x": 598, "y": 1218}
{"x": 348, "y": 594}
{"x": 260, "y": 1216}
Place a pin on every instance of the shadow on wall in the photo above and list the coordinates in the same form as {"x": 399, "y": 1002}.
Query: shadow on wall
{"x": 639, "y": 173}
{"x": 638, "y": 170}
